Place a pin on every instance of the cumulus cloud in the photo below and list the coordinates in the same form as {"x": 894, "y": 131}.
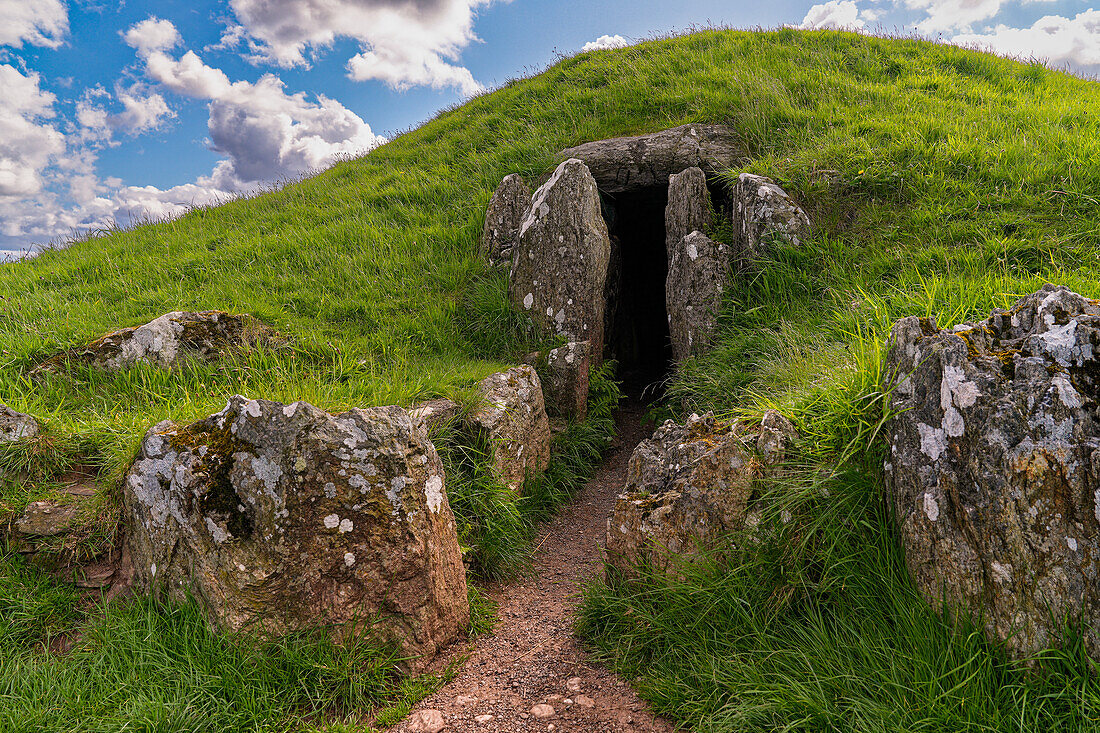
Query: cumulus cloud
{"x": 38, "y": 22}
{"x": 404, "y": 42}
{"x": 605, "y": 42}
{"x": 842, "y": 14}
{"x": 29, "y": 141}
{"x": 960, "y": 15}
{"x": 265, "y": 132}
{"x": 1059, "y": 40}
{"x": 152, "y": 35}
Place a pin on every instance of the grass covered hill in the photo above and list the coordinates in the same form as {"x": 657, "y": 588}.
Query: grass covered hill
{"x": 941, "y": 182}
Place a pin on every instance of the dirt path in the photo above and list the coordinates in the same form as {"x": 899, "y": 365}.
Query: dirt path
{"x": 533, "y": 658}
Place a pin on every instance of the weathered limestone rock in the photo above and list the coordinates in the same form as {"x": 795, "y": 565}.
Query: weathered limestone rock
{"x": 688, "y": 486}
{"x": 559, "y": 267}
{"x": 632, "y": 163}
{"x": 171, "y": 338}
{"x": 566, "y": 385}
{"x": 697, "y": 275}
{"x": 15, "y": 425}
{"x": 506, "y": 212}
{"x": 763, "y": 212}
{"x": 280, "y": 517}
{"x": 512, "y": 417}
{"x": 434, "y": 414}
{"x": 994, "y": 465}
{"x": 689, "y": 207}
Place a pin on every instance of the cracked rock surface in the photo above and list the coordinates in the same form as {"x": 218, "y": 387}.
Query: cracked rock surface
{"x": 281, "y": 517}
{"x": 994, "y": 464}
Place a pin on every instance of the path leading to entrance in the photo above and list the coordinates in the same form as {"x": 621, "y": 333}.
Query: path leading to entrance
{"x": 532, "y": 661}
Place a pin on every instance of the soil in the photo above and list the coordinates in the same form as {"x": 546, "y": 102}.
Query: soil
{"x": 532, "y": 657}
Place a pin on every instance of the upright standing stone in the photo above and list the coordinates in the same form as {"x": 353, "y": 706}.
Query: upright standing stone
{"x": 507, "y": 209}
{"x": 512, "y": 417}
{"x": 566, "y": 383}
{"x": 762, "y": 213}
{"x": 689, "y": 207}
{"x": 281, "y": 517}
{"x": 559, "y": 266}
{"x": 994, "y": 465}
{"x": 697, "y": 276}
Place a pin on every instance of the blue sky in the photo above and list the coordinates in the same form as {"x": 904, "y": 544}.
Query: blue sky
{"x": 113, "y": 111}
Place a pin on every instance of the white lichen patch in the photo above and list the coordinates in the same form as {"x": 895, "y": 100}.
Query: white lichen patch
{"x": 219, "y": 534}
{"x": 931, "y": 507}
{"x": 1069, "y": 396}
{"x": 268, "y": 472}
{"x": 289, "y": 410}
{"x": 330, "y": 488}
{"x": 528, "y": 300}
{"x": 252, "y": 408}
{"x": 433, "y": 493}
{"x": 346, "y": 525}
{"x": 332, "y": 521}
{"x": 1071, "y": 543}
{"x": 349, "y": 559}
{"x": 933, "y": 441}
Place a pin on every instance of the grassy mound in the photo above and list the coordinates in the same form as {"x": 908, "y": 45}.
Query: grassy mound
{"x": 942, "y": 182}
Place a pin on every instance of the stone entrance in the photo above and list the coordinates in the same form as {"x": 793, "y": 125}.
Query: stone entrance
{"x": 613, "y": 247}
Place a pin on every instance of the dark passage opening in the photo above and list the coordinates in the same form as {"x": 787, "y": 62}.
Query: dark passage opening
{"x": 637, "y": 334}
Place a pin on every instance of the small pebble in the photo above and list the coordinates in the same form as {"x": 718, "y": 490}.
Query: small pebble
{"x": 465, "y": 700}
{"x": 573, "y": 684}
{"x": 585, "y": 701}
{"x": 542, "y": 711}
{"x": 427, "y": 721}
{"x": 483, "y": 719}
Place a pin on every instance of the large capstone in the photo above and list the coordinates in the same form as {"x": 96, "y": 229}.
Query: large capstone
{"x": 764, "y": 214}
{"x": 170, "y": 339}
{"x": 281, "y": 517}
{"x": 697, "y": 276}
{"x": 633, "y": 163}
{"x": 994, "y": 465}
{"x": 511, "y": 417}
{"x": 689, "y": 207}
{"x": 559, "y": 266}
{"x": 15, "y": 425}
{"x": 688, "y": 487}
{"x": 506, "y": 212}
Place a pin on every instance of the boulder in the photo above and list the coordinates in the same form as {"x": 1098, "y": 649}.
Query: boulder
{"x": 434, "y": 414}
{"x": 688, "y": 487}
{"x": 15, "y": 425}
{"x": 689, "y": 207}
{"x": 168, "y": 340}
{"x": 559, "y": 267}
{"x": 697, "y": 275}
{"x": 47, "y": 518}
{"x": 511, "y": 416}
{"x": 282, "y": 517}
{"x": 633, "y": 163}
{"x": 762, "y": 214}
{"x": 507, "y": 209}
{"x": 994, "y": 465}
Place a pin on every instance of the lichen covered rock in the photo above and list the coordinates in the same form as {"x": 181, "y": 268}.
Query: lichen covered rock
{"x": 15, "y": 425}
{"x": 559, "y": 266}
{"x": 689, "y": 207}
{"x": 645, "y": 161}
{"x": 566, "y": 384}
{"x": 697, "y": 276}
{"x": 171, "y": 338}
{"x": 764, "y": 213}
{"x": 432, "y": 415}
{"x": 511, "y": 416}
{"x": 282, "y": 517}
{"x": 688, "y": 487}
{"x": 994, "y": 465}
{"x": 507, "y": 209}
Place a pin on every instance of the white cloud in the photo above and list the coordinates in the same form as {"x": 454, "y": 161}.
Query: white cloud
{"x": 265, "y": 132}
{"x": 152, "y": 35}
{"x": 842, "y": 14}
{"x": 38, "y": 22}
{"x": 141, "y": 111}
{"x": 404, "y": 42}
{"x": 615, "y": 41}
{"x": 28, "y": 141}
{"x": 1053, "y": 38}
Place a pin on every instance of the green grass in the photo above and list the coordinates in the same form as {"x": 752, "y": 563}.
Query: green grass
{"x": 941, "y": 181}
